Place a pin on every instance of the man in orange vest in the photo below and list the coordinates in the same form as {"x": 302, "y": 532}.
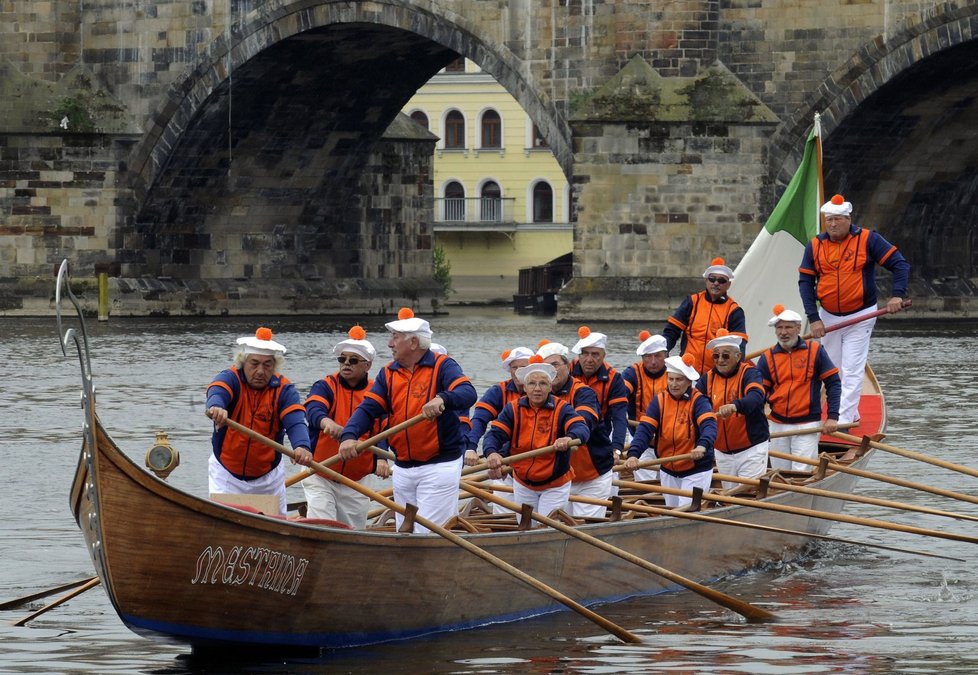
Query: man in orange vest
{"x": 838, "y": 267}
{"x": 737, "y": 393}
{"x": 700, "y": 315}
{"x": 253, "y": 393}
{"x": 329, "y": 406}
{"x": 429, "y": 454}
{"x": 644, "y": 380}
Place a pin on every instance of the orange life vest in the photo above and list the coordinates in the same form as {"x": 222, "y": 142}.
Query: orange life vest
{"x": 705, "y": 319}
{"x": 732, "y": 432}
{"x": 536, "y": 428}
{"x": 407, "y": 391}
{"x": 839, "y": 266}
{"x": 345, "y": 401}
{"x": 256, "y": 409}
{"x": 675, "y": 429}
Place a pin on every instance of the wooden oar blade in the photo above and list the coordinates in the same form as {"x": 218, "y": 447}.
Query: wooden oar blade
{"x": 18, "y": 602}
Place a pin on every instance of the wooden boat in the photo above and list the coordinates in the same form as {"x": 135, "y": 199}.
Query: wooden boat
{"x": 181, "y": 568}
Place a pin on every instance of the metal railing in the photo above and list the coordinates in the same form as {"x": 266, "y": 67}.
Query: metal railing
{"x": 474, "y": 210}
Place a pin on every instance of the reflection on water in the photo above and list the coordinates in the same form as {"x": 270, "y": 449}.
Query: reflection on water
{"x": 841, "y": 608}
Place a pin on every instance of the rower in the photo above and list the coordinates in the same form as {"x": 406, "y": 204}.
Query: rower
{"x": 254, "y": 393}
{"x": 644, "y": 380}
{"x": 737, "y": 394}
{"x": 794, "y": 372}
{"x": 593, "y": 463}
{"x": 679, "y": 420}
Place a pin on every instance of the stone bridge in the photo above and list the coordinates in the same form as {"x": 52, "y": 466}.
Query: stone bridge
{"x": 226, "y": 156}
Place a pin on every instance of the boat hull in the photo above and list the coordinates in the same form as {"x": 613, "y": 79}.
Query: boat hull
{"x": 194, "y": 571}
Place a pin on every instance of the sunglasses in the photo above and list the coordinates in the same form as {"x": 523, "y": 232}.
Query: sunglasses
{"x": 717, "y": 280}
{"x": 722, "y": 356}
{"x": 352, "y": 360}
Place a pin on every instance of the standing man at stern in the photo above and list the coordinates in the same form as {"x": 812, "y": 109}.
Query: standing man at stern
{"x": 838, "y": 268}
{"x": 254, "y": 394}
{"x": 429, "y": 454}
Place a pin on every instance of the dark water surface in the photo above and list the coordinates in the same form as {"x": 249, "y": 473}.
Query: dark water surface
{"x": 842, "y": 608}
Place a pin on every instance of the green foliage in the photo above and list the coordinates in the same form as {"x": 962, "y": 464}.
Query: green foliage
{"x": 78, "y": 116}
{"x": 443, "y": 269}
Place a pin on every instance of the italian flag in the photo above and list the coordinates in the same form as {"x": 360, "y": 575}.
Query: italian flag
{"x": 768, "y": 273}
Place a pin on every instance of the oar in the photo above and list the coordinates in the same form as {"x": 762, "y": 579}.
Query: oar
{"x": 17, "y": 602}
{"x": 499, "y": 563}
{"x": 798, "y": 510}
{"x": 654, "y": 462}
{"x": 910, "y": 454}
{"x": 361, "y": 446}
{"x": 519, "y": 457}
{"x": 688, "y": 515}
{"x": 883, "y": 478}
{"x": 818, "y": 492}
{"x": 91, "y": 583}
{"x": 841, "y": 324}
{"x": 745, "y": 609}
{"x": 813, "y": 430}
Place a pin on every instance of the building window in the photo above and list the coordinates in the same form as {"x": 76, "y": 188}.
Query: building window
{"x": 491, "y": 130}
{"x": 454, "y": 202}
{"x": 543, "y": 203}
{"x": 456, "y": 66}
{"x": 420, "y": 118}
{"x": 454, "y": 130}
{"x": 538, "y": 140}
{"x": 491, "y": 203}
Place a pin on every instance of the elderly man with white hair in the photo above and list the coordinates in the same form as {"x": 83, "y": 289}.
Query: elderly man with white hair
{"x": 736, "y": 391}
{"x": 592, "y": 465}
{"x": 253, "y": 393}
{"x": 330, "y": 404}
{"x": 838, "y": 269}
{"x": 699, "y": 316}
{"x": 537, "y": 420}
{"x": 794, "y": 372}
{"x": 679, "y": 421}
{"x": 644, "y": 380}
{"x": 496, "y": 397}
{"x": 429, "y": 454}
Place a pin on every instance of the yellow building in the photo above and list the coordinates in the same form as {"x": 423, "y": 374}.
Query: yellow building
{"x": 501, "y": 200}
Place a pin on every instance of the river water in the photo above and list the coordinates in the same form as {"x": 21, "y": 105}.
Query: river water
{"x": 841, "y": 608}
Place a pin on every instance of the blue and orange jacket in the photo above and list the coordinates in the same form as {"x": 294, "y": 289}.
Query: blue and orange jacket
{"x": 794, "y": 379}
{"x": 675, "y": 427}
{"x": 400, "y": 393}
{"x": 520, "y": 428}
{"x": 332, "y": 397}
{"x": 608, "y": 433}
{"x": 842, "y": 274}
{"x": 697, "y": 320}
{"x": 745, "y": 390}
{"x": 642, "y": 386}
{"x": 273, "y": 411}
{"x": 488, "y": 408}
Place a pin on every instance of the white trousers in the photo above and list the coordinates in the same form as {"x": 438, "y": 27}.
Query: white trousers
{"x": 805, "y": 445}
{"x": 597, "y": 488}
{"x": 334, "y": 501}
{"x": 499, "y": 508}
{"x": 272, "y": 483}
{"x": 848, "y": 348}
{"x": 433, "y": 488}
{"x": 646, "y": 474}
{"x": 542, "y": 501}
{"x": 700, "y": 480}
{"x": 749, "y": 463}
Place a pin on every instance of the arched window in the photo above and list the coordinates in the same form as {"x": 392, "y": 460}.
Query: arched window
{"x": 454, "y": 130}
{"x": 492, "y": 128}
{"x": 538, "y": 140}
{"x": 455, "y": 202}
{"x": 543, "y": 203}
{"x": 491, "y": 206}
{"x": 456, "y": 66}
{"x": 420, "y": 118}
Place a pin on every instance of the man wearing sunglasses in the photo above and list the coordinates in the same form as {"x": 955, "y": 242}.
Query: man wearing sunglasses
{"x": 329, "y": 406}
{"x": 737, "y": 393}
{"x": 698, "y": 318}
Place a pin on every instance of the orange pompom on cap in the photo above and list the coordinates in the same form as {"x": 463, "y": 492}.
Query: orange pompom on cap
{"x": 542, "y": 342}
{"x": 583, "y": 332}
{"x": 536, "y": 358}
{"x": 505, "y": 355}
{"x": 722, "y": 332}
{"x": 718, "y": 261}
{"x": 688, "y": 359}
{"x": 838, "y": 200}
{"x": 644, "y": 335}
{"x": 357, "y": 333}
{"x": 405, "y": 313}
{"x": 263, "y": 333}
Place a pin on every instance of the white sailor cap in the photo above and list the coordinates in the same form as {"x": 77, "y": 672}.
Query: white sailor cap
{"x": 536, "y": 365}
{"x": 724, "y": 338}
{"x": 357, "y": 343}
{"x": 782, "y": 314}
{"x": 515, "y": 354}
{"x": 261, "y": 343}
{"x": 718, "y": 266}
{"x": 682, "y": 365}
{"x": 837, "y": 206}
{"x": 651, "y": 344}
{"x": 408, "y": 323}
{"x": 546, "y": 348}
{"x": 589, "y": 338}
